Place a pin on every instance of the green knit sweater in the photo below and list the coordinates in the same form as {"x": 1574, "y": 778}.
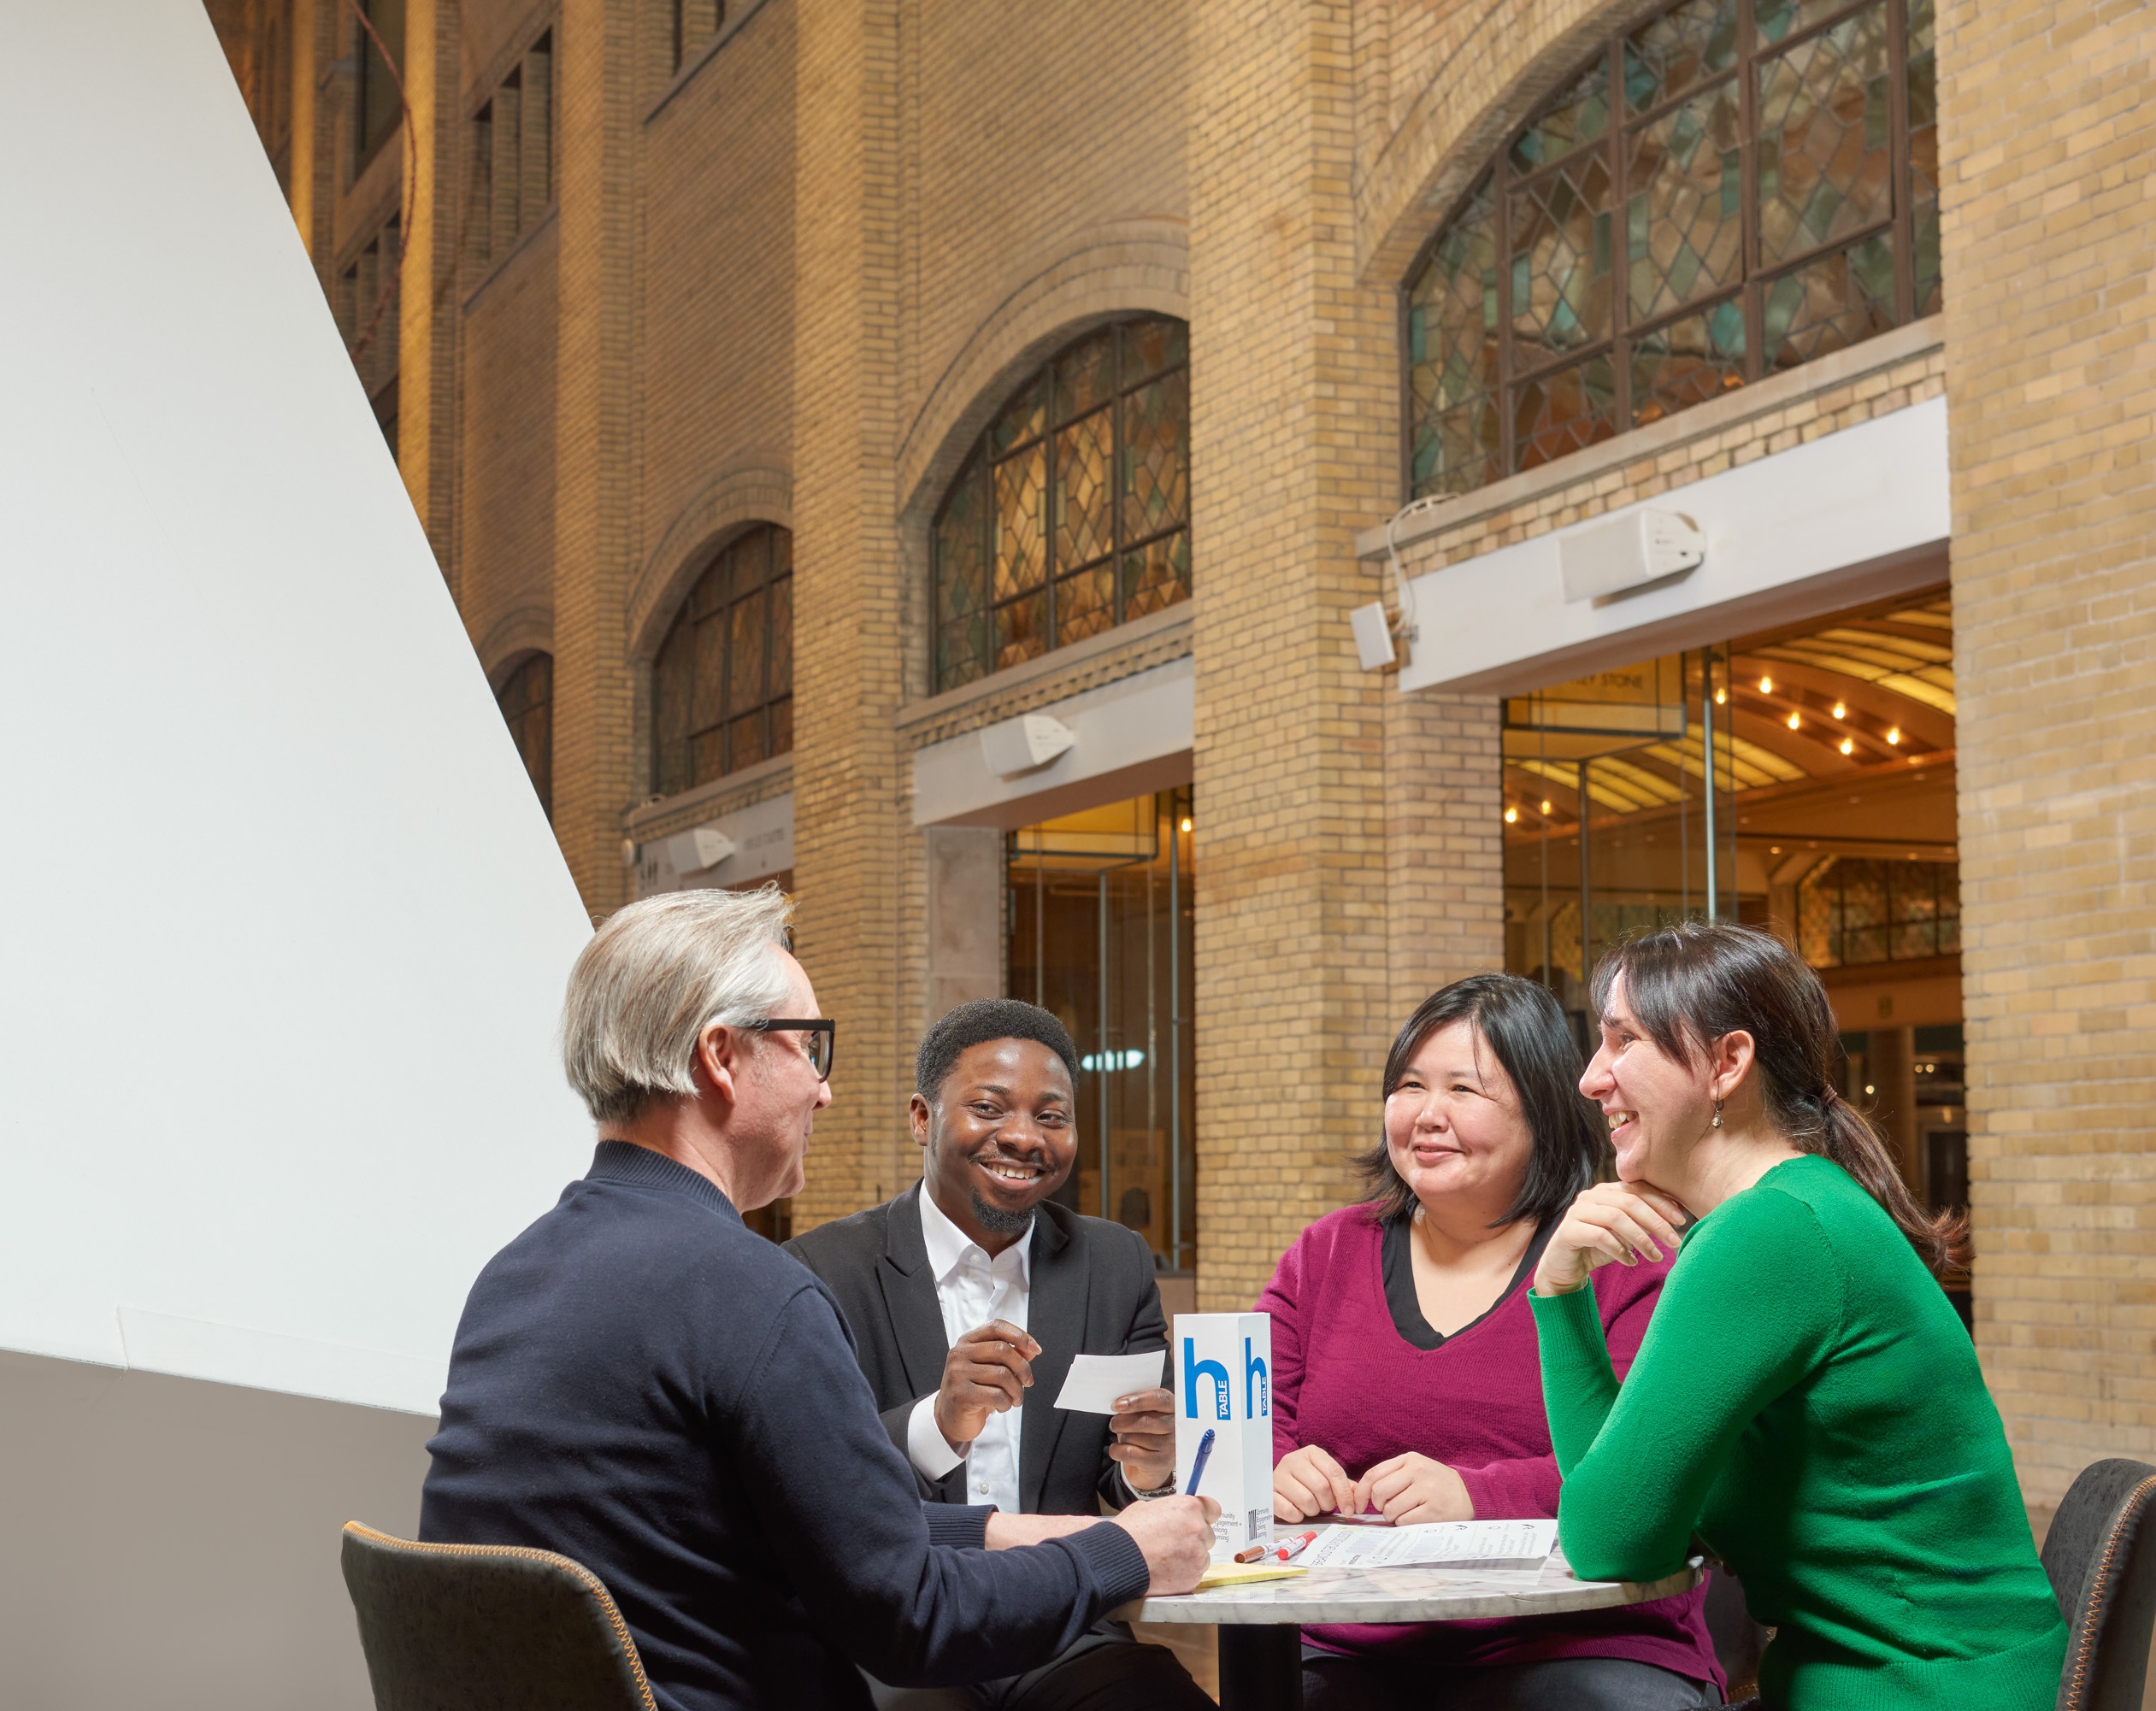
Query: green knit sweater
{"x": 1806, "y": 1401}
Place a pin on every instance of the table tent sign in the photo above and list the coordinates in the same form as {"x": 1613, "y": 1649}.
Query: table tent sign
{"x": 1223, "y": 1385}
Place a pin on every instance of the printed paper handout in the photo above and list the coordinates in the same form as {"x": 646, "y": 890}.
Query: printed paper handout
{"x": 1451, "y": 1544}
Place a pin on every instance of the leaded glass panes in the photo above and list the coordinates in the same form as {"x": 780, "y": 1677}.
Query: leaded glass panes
{"x": 1084, "y": 529}
{"x": 1924, "y": 152}
{"x": 1156, "y": 457}
{"x": 1073, "y": 513}
{"x": 1744, "y": 251}
{"x": 1684, "y": 217}
{"x": 1829, "y": 304}
{"x": 1578, "y": 116}
{"x": 1670, "y": 53}
{"x": 1452, "y": 354}
{"x": 1020, "y": 533}
{"x": 1852, "y": 911}
{"x": 1826, "y": 136}
{"x": 1561, "y": 260}
{"x": 722, "y": 684}
{"x": 1686, "y": 361}
{"x": 1563, "y": 411}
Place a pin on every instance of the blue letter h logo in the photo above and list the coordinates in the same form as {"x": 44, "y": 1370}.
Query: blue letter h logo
{"x": 1193, "y": 1366}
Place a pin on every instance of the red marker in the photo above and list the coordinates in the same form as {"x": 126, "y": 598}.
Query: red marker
{"x": 1294, "y": 1545}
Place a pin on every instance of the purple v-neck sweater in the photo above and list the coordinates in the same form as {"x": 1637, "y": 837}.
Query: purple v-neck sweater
{"x": 1346, "y": 1380}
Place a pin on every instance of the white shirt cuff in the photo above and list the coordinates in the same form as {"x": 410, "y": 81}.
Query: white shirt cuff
{"x": 927, "y": 1448}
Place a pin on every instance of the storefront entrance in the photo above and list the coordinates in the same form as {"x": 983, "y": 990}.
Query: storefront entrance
{"x": 1801, "y": 780}
{"x": 1101, "y": 927}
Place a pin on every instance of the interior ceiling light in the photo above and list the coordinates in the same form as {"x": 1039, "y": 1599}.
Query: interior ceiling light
{"x": 1894, "y": 734}
{"x": 1185, "y": 822}
{"x": 1721, "y": 698}
{"x": 1512, "y": 816}
{"x": 1766, "y": 686}
{"x": 1545, "y": 804}
{"x": 1794, "y": 721}
{"x": 1840, "y": 711}
{"x": 1848, "y": 746}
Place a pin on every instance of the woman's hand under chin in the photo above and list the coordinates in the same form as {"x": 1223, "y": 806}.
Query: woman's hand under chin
{"x": 1619, "y": 1222}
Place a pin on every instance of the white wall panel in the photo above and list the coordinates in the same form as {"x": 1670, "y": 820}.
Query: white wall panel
{"x": 286, "y": 930}
{"x": 1849, "y": 516}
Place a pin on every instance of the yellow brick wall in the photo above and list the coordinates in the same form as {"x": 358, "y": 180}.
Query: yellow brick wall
{"x": 2050, "y": 241}
{"x": 1294, "y": 431}
{"x": 984, "y": 179}
{"x": 506, "y": 514}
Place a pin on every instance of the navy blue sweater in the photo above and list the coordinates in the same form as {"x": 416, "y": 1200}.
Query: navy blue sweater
{"x": 642, "y": 1383}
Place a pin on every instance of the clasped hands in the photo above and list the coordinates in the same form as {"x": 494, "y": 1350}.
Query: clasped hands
{"x": 990, "y": 1369}
{"x": 1407, "y": 1489}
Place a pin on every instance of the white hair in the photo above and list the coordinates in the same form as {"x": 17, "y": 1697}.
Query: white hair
{"x": 653, "y": 978}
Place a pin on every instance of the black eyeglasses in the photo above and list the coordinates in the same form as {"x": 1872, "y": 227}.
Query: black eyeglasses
{"x": 822, "y": 1041}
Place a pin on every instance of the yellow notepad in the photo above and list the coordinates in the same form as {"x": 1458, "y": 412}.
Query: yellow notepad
{"x": 1242, "y": 1573}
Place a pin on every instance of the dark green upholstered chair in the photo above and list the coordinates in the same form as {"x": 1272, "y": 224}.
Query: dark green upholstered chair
{"x": 2100, "y": 1554}
{"x": 487, "y": 1627}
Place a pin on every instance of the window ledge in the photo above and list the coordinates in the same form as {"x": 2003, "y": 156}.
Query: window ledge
{"x": 1701, "y": 421}
{"x": 765, "y": 778}
{"x": 1128, "y": 648}
{"x": 703, "y": 56}
{"x": 495, "y": 269}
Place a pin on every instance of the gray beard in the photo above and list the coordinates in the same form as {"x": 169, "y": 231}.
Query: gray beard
{"x": 996, "y": 1220}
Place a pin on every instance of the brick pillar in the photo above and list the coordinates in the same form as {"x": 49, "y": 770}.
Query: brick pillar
{"x": 595, "y": 771}
{"x": 855, "y": 853}
{"x": 427, "y": 300}
{"x": 2049, "y": 241}
{"x": 1294, "y": 446}
{"x": 1444, "y": 844}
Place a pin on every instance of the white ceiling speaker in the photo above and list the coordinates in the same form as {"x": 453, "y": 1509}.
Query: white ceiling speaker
{"x": 1020, "y": 745}
{"x": 699, "y": 848}
{"x": 1629, "y": 552}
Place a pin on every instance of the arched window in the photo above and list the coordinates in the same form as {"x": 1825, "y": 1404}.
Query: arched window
{"x": 1073, "y": 513}
{"x": 723, "y": 690}
{"x": 1732, "y": 189}
{"x": 526, "y": 701}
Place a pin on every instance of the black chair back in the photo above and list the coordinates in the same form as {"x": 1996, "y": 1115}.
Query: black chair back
{"x": 2100, "y": 1554}
{"x": 480, "y": 1627}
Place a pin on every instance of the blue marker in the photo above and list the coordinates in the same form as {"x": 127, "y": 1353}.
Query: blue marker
{"x": 1197, "y": 1462}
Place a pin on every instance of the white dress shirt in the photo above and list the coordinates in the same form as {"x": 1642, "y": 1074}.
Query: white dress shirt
{"x": 972, "y": 1289}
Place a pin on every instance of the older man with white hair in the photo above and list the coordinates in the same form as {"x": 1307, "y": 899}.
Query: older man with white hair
{"x": 642, "y": 1383}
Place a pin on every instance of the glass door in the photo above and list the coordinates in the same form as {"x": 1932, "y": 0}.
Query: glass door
{"x": 1101, "y": 934}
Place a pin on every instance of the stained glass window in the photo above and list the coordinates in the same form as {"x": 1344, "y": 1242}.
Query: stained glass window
{"x": 1729, "y": 189}
{"x": 1851, "y": 911}
{"x": 722, "y": 686}
{"x": 526, "y": 701}
{"x": 1072, "y": 515}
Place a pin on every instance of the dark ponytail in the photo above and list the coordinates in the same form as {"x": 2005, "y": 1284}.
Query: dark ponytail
{"x": 1690, "y": 984}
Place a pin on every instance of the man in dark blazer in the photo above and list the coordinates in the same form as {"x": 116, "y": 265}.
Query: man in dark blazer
{"x": 969, "y": 1294}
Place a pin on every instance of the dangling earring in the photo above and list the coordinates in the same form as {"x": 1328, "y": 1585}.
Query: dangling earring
{"x": 1716, "y": 1123}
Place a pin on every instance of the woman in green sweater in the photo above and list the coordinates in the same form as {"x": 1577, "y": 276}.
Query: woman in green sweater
{"x": 1806, "y": 1399}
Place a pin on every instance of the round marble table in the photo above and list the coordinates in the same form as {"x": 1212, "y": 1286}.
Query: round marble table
{"x": 1261, "y": 1662}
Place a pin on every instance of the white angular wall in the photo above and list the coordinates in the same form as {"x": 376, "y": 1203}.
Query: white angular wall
{"x": 285, "y": 930}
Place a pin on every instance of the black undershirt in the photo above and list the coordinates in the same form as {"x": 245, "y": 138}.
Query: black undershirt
{"x": 1400, "y": 1281}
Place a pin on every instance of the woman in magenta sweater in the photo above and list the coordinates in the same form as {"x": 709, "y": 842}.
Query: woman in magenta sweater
{"x": 1407, "y": 1379}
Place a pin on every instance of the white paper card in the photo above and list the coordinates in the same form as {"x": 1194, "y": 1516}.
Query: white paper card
{"x": 1095, "y": 1381}
{"x": 1525, "y": 1542}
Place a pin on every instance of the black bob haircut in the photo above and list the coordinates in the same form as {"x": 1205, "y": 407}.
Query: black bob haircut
{"x": 1527, "y": 1033}
{"x": 979, "y": 1022}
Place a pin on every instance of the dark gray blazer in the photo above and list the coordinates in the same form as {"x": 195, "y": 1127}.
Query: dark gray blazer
{"x": 1093, "y": 1293}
